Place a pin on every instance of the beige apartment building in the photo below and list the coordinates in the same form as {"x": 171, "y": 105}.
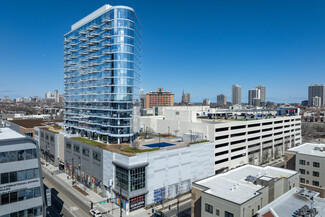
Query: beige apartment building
{"x": 240, "y": 192}
{"x": 309, "y": 160}
{"x": 159, "y": 98}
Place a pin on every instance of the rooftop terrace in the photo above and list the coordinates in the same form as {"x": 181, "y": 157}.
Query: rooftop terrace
{"x": 149, "y": 145}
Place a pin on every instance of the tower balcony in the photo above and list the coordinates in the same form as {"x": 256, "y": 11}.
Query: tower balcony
{"x": 106, "y": 20}
{"x": 107, "y": 44}
{"x": 82, "y": 32}
{"x": 107, "y": 27}
{"x": 107, "y": 35}
{"x": 83, "y": 39}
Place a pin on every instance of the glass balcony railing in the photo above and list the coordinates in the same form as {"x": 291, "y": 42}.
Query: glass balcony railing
{"x": 94, "y": 63}
{"x": 106, "y": 51}
{"x": 94, "y": 48}
{"x": 82, "y": 32}
{"x": 83, "y": 39}
{"x": 73, "y": 44}
{"x": 107, "y": 27}
{"x": 107, "y": 44}
{"x": 90, "y": 36}
{"x": 74, "y": 56}
{"x": 93, "y": 56}
{"x": 107, "y": 35}
{"x": 83, "y": 45}
{"x": 73, "y": 37}
{"x": 73, "y": 50}
{"x": 95, "y": 41}
{"x": 85, "y": 52}
{"x": 106, "y": 20}
{"x": 94, "y": 34}
{"x": 83, "y": 59}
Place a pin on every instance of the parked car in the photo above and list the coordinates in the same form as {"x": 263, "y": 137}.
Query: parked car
{"x": 158, "y": 214}
{"x": 95, "y": 213}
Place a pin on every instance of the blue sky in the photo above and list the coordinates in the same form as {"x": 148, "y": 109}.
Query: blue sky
{"x": 202, "y": 47}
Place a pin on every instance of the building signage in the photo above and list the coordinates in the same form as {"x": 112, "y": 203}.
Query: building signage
{"x": 16, "y": 186}
{"x": 48, "y": 197}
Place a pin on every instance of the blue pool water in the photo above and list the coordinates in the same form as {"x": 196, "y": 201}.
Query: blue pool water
{"x": 159, "y": 145}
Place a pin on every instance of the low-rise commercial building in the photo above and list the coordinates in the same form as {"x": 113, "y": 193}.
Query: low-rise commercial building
{"x": 25, "y": 126}
{"x": 159, "y": 171}
{"x": 309, "y": 160}
{"x": 51, "y": 143}
{"x": 240, "y": 192}
{"x": 296, "y": 202}
{"x": 21, "y": 185}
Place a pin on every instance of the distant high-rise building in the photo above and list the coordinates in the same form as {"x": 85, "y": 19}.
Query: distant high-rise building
{"x": 262, "y": 94}
{"x": 253, "y": 94}
{"x": 236, "y": 94}
{"x": 6, "y": 99}
{"x": 56, "y": 96}
{"x": 316, "y": 101}
{"x": 48, "y": 95}
{"x": 206, "y": 102}
{"x": 101, "y": 68}
{"x": 142, "y": 99}
{"x": 221, "y": 100}
{"x": 186, "y": 98}
{"x": 159, "y": 98}
{"x": 316, "y": 90}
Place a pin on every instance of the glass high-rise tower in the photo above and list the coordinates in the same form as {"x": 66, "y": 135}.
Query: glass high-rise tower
{"x": 101, "y": 75}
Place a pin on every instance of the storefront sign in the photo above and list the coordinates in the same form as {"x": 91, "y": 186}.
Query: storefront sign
{"x": 20, "y": 185}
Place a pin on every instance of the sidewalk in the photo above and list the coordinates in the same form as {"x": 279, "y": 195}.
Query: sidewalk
{"x": 61, "y": 177}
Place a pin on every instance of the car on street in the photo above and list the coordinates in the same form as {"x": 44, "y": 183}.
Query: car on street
{"x": 158, "y": 214}
{"x": 95, "y": 213}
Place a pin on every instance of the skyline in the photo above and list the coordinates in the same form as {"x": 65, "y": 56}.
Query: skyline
{"x": 277, "y": 50}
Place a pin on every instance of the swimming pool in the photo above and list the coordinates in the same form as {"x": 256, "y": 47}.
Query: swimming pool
{"x": 159, "y": 145}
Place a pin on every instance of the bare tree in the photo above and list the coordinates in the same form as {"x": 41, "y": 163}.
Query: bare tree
{"x": 135, "y": 144}
{"x": 194, "y": 137}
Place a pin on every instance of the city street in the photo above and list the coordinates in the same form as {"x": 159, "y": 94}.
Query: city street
{"x": 184, "y": 210}
{"x": 64, "y": 203}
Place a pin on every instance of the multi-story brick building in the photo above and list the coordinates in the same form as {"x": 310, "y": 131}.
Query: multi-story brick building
{"x": 159, "y": 98}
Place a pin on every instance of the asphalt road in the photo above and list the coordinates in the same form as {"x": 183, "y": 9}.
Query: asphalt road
{"x": 184, "y": 210}
{"x": 64, "y": 203}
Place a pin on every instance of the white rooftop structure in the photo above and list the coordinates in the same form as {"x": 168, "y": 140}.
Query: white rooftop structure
{"x": 238, "y": 185}
{"x": 291, "y": 202}
{"x": 310, "y": 149}
{"x": 7, "y": 133}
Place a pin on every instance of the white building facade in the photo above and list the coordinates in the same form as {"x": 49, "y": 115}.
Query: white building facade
{"x": 21, "y": 186}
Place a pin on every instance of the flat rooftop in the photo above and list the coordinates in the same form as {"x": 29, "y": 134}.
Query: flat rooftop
{"x": 149, "y": 145}
{"x": 234, "y": 186}
{"x": 29, "y": 123}
{"x": 310, "y": 149}
{"x": 290, "y": 202}
{"x": 7, "y": 133}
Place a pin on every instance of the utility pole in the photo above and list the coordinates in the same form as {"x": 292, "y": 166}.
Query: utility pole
{"x": 72, "y": 170}
{"x": 120, "y": 199}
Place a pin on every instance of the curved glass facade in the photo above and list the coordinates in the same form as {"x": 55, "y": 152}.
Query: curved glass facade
{"x": 101, "y": 76}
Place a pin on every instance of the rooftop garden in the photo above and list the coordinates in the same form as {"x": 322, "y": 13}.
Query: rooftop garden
{"x": 202, "y": 141}
{"x": 117, "y": 148}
